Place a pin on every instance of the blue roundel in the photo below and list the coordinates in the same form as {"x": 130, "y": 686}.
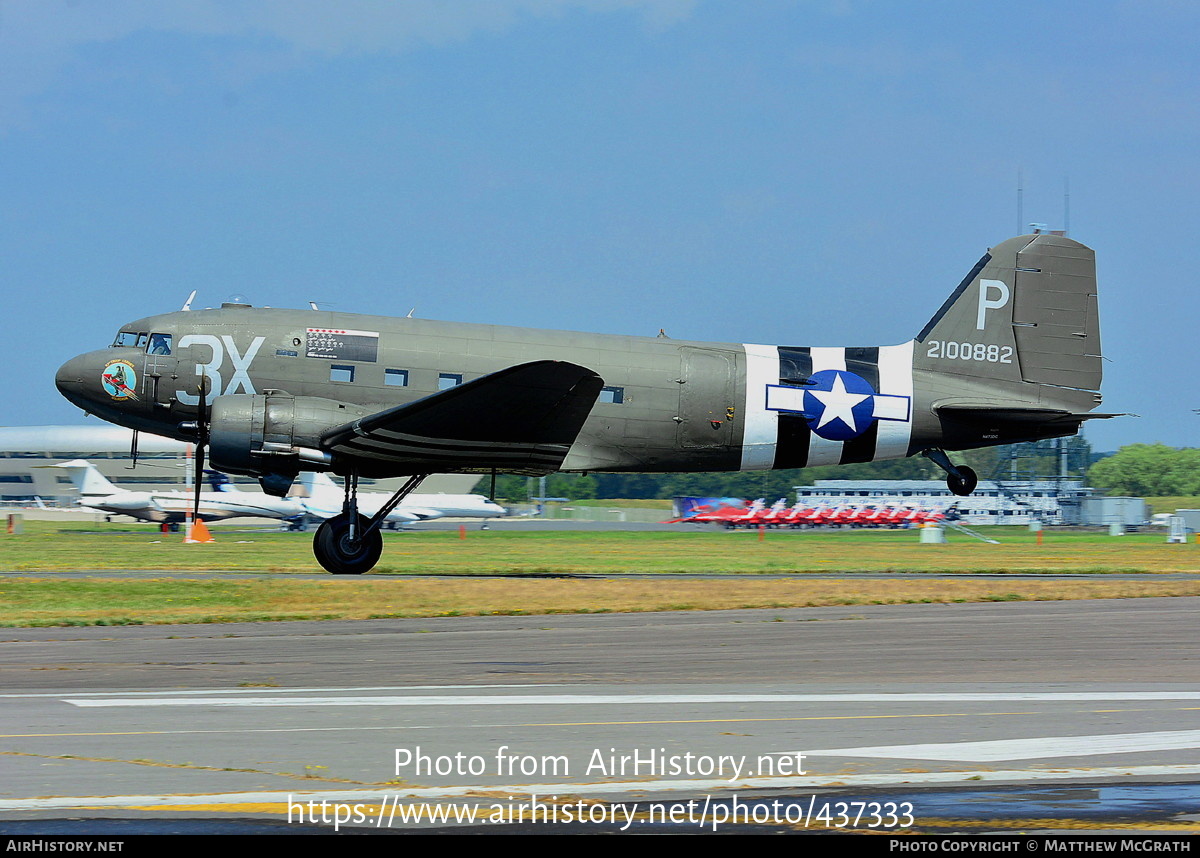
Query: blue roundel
{"x": 841, "y": 404}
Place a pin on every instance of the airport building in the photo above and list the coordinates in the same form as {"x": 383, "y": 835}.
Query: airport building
{"x": 26, "y": 452}
{"x": 1007, "y": 502}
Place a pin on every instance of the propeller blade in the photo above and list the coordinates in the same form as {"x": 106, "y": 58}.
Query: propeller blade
{"x": 201, "y": 442}
{"x": 199, "y": 470}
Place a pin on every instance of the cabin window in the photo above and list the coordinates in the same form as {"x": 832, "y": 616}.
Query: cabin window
{"x": 160, "y": 344}
{"x": 614, "y": 395}
{"x": 338, "y": 372}
{"x": 447, "y": 380}
{"x": 395, "y": 377}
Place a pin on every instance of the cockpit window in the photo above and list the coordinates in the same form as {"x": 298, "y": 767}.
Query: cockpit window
{"x": 126, "y": 339}
{"x": 142, "y": 339}
{"x": 160, "y": 344}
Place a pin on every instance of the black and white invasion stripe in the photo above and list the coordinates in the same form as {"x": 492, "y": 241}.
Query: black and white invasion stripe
{"x": 774, "y": 439}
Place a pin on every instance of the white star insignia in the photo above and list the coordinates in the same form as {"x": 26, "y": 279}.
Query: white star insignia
{"x": 838, "y": 404}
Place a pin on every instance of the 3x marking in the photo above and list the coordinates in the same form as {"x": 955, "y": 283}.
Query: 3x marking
{"x": 240, "y": 380}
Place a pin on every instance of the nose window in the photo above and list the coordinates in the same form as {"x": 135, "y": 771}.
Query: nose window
{"x": 160, "y": 344}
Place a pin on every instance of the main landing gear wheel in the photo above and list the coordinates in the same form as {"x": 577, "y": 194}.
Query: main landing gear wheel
{"x": 338, "y": 554}
{"x": 964, "y": 483}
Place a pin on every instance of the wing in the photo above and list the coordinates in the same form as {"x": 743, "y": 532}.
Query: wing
{"x": 421, "y": 513}
{"x": 520, "y": 419}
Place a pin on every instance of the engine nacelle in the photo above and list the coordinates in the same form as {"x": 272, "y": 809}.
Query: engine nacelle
{"x": 269, "y": 435}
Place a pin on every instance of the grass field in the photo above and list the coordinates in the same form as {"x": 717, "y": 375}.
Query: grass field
{"x": 394, "y": 589}
{"x": 50, "y": 547}
{"x": 1158, "y": 505}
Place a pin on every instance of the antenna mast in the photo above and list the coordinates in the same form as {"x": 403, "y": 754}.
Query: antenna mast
{"x": 1020, "y": 202}
{"x": 1066, "y": 205}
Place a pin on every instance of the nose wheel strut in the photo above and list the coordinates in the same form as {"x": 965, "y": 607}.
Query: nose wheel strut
{"x": 350, "y": 543}
{"x": 960, "y": 479}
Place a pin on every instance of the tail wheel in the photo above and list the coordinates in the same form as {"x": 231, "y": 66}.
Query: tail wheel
{"x": 340, "y": 555}
{"x": 964, "y": 483}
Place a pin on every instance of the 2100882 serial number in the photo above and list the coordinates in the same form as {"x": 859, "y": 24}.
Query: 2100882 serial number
{"x": 968, "y": 351}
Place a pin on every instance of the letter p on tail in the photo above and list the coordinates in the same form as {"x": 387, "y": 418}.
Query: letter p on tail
{"x": 1001, "y": 300}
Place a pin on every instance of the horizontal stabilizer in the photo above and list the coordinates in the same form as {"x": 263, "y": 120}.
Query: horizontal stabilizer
{"x": 520, "y": 419}
{"x": 1015, "y": 414}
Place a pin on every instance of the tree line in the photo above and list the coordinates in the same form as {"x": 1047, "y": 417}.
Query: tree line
{"x": 1149, "y": 470}
{"x": 1020, "y": 462}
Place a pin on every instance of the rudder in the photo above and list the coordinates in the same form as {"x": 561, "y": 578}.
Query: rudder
{"x": 1055, "y": 314}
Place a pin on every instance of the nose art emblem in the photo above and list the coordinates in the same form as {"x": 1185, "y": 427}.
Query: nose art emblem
{"x": 119, "y": 379}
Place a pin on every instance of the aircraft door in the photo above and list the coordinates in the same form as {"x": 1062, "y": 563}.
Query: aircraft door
{"x": 160, "y": 367}
{"x": 706, "y": 398}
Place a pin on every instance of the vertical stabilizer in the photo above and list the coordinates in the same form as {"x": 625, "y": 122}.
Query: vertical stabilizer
{"x": 90, "y": 482}
{"x": 1026, "y": 312}
{"x": 220, "y": 482}
{"x": 314, "y": 483}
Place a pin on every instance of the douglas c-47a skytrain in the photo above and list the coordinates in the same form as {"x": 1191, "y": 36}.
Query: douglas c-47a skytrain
{"x": 1012, "y": 355}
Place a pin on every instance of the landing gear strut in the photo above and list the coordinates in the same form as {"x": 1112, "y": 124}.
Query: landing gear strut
{"x": 960, "y": 479}
{"x": 350, "y": 543}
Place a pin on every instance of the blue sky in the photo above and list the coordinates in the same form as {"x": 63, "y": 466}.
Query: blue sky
{"x": 774, "y": 171}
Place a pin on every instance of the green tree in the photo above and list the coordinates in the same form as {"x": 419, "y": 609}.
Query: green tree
{"x": 1149, "y": 470}
{"x": 573, "y": 486}
{"x": 510, "y": 488}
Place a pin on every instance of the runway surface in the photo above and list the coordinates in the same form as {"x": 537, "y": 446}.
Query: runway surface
{"x": 925, "y": 717}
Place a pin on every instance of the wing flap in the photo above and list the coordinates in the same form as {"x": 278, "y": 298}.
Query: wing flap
{"x": 520, "y": 419}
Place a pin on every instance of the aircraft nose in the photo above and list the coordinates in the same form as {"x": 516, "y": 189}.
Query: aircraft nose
{"x": 80, "y": 378}
{"x": 69, "y": 378}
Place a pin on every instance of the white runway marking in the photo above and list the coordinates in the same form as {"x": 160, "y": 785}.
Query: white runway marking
{"x": 904, "y": 780}
{"x": 1028, "y": 749}
{"x": 357, "y": 690}
{"x": 629, "y": 699}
